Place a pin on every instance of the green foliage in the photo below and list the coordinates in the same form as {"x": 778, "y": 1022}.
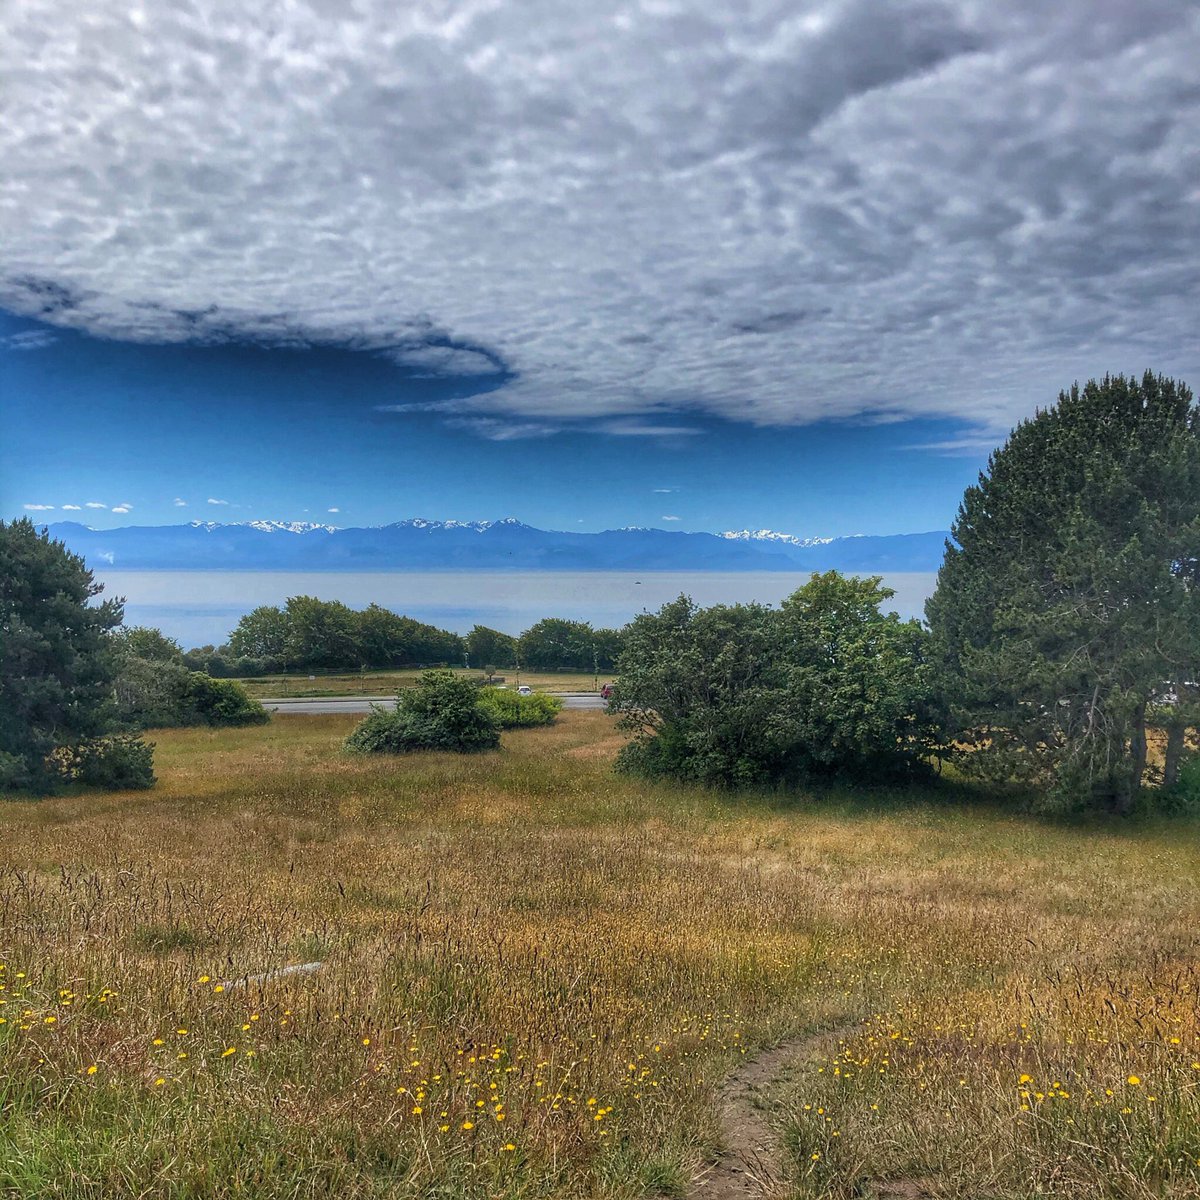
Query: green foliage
{"x": 262, "y": 633}
{"x": 490, "y": 647}
{"x": 155, "y": 690}
{"x": 554, "y": 644}
{"x": 56, "y": 660}
{"x": 1068, "y": 603}
{"x": 312, "y": 634}
{"x": 1182, "y": 798}
{"x": 442, "y": 713}
{"x": 117, "y": 762}
{"x": 511, "y": 710}
{"x": 223, "y": 702}
{"x": 738, "y": 695}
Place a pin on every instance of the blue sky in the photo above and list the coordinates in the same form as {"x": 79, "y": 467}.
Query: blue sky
{"x": 292, "y": 434}
{"x": 585, "y": 263}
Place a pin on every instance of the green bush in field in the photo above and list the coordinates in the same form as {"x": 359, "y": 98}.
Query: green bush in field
{"x": 113, "y": 763}
{"x": 443, "y": 712}
{"x": 208, "y": 701}
{"x": 514, "y": 711}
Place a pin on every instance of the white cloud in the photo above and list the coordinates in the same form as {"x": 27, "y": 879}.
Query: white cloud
{"x": 30, "y": 339}
{"x": 775, "y": 212}
{"x": 39, "y": 507}
{"x": 179, "y": 502}
{"x": 213, "y": 500}
{"x": 95, "y": 504}
{"x": 71, "y": 508}
{"x": 337, "y": 510}
{"x": 669, "y": 518}
{"x": 665, "y": 491}
{"x": 637, "y": 428}
{"x": 120, "y": 508}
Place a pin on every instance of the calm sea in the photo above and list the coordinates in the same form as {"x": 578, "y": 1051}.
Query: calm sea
{"x": 201, "y": 607}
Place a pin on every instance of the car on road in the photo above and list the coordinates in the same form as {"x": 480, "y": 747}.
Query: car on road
{"x": 524, "y": 690}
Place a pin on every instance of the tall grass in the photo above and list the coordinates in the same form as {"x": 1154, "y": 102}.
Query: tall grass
{"x": 536, "y": 974}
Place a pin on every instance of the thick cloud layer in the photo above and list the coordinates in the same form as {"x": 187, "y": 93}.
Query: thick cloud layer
{"x": 770, "y": 211}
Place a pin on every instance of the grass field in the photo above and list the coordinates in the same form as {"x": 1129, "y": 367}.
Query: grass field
{"x": 537, "y": 974}
{"x": 388, "y": 683}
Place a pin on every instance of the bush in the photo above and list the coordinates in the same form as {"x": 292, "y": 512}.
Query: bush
{"x": 1183, "y": 797}
{"x": 208, "y": 701}
{"x": 112, "y": 763}
{"x": 514, "y": 711}
{"x": 442, "y": 713}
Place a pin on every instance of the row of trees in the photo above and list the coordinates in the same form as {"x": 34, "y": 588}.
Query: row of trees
{"x": 307, "y": 633}
{"x": 1065, "y": 626}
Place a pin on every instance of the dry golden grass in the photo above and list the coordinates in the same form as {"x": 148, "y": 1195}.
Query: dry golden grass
{"x": 388, "y": 683}
{"x": 537, "y": 973}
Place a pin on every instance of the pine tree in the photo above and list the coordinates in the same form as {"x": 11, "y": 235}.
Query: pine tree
{"x": 1068, "y": 604}
{"x": 56, "y": 660}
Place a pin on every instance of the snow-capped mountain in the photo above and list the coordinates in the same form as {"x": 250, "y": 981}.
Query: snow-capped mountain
{"x": 770, "y": 535}
{"x": 419, "y": 544}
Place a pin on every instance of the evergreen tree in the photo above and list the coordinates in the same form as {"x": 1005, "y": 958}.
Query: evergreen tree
{"x": 56, "y": 659}
{"x": 1067, "y": 604}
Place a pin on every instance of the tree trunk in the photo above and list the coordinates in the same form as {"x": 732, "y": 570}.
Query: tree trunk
{"x": 1137, "y": 754}
{"x": 1176, "y": 732}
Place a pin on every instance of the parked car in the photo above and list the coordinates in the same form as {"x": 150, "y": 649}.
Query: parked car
{"x": 524, "y": 690}
{"x": 606, "y": 691}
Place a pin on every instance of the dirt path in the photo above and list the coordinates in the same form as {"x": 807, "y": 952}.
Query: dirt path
{"x": 751, "y": 1166}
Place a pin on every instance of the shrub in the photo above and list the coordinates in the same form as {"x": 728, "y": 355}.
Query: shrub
{"x": 1183, "y": 796}
{"x": 514, "y": 711}
{"x": 112, "y": 763}
{"x": 208, "y": 701}
{"x": 442, "y": 713}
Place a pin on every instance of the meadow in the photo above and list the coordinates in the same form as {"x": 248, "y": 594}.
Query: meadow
{"x": 388, "y": 683}
{"x": 536, "y": 976}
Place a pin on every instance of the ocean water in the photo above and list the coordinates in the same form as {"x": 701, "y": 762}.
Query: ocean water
{"x": 201, "y": 607}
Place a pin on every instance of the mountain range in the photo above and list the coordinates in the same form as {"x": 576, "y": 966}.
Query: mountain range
{"x": 421, "y": 545}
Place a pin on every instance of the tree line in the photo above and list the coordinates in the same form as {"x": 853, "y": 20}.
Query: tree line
{"x": 311, "y": 634}
{"x": 1064, "y": 630}
{"x": 1063, "y": 636}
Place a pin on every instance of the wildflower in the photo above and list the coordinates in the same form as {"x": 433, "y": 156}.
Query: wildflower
{"x": 92, "y": 1069}
{"x": 1133, "y": 1081}
{"x": 159, "y": 1081}
{"x": 229, "y": 1051}
{"x": 468, "y": 1124}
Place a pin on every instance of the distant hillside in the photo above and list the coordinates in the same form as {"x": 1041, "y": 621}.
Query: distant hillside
{"x": 420, "y": 545}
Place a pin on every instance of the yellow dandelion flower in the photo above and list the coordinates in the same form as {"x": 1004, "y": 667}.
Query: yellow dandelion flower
{"x": 1133, "y": 1081}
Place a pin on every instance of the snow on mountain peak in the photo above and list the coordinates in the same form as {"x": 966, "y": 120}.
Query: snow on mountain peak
{"x": 771, "y": 535}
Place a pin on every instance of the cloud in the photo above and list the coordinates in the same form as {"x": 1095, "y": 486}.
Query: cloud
{"x": 669, "y": 518}
{"x": 120, "y": 508}
{"x": 498, "y": 429}
{"x": 636, "y": 428}
{"x": 39, "y": 507}
{"x": 71, "y": 508}
{"x": 95, "y": 504}
{"x": 965, "y": 447}
{"x": 332, "y": 510}
{"x": 179, "y": 502}
{"x": 30, "y": 339}
{"x": 665, "y": 491}
{"x": 775, "y": 215}
{"x": 213, "y": 500}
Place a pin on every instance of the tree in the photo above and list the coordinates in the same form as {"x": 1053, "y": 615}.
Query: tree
{"x": 262, "y": 633}
{"x": 1067, "y": 603}
{"x": 56, "y": 659}
{"x": 554, "y": 644}
{"x": 321, "y": 633}
{"x": 745, "y": 694}
{"x": 490, "y": 646}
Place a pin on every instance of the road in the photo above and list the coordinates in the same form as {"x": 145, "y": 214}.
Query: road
{"x": 316, "y": 706}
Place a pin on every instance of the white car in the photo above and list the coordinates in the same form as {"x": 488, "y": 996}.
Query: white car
{"x": 524, "y": 690}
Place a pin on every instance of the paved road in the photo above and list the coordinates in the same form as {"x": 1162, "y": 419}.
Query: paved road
{"x": 320, "y": 705}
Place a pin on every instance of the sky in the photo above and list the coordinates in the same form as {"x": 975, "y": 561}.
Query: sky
{"x": 776, "y": 265}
